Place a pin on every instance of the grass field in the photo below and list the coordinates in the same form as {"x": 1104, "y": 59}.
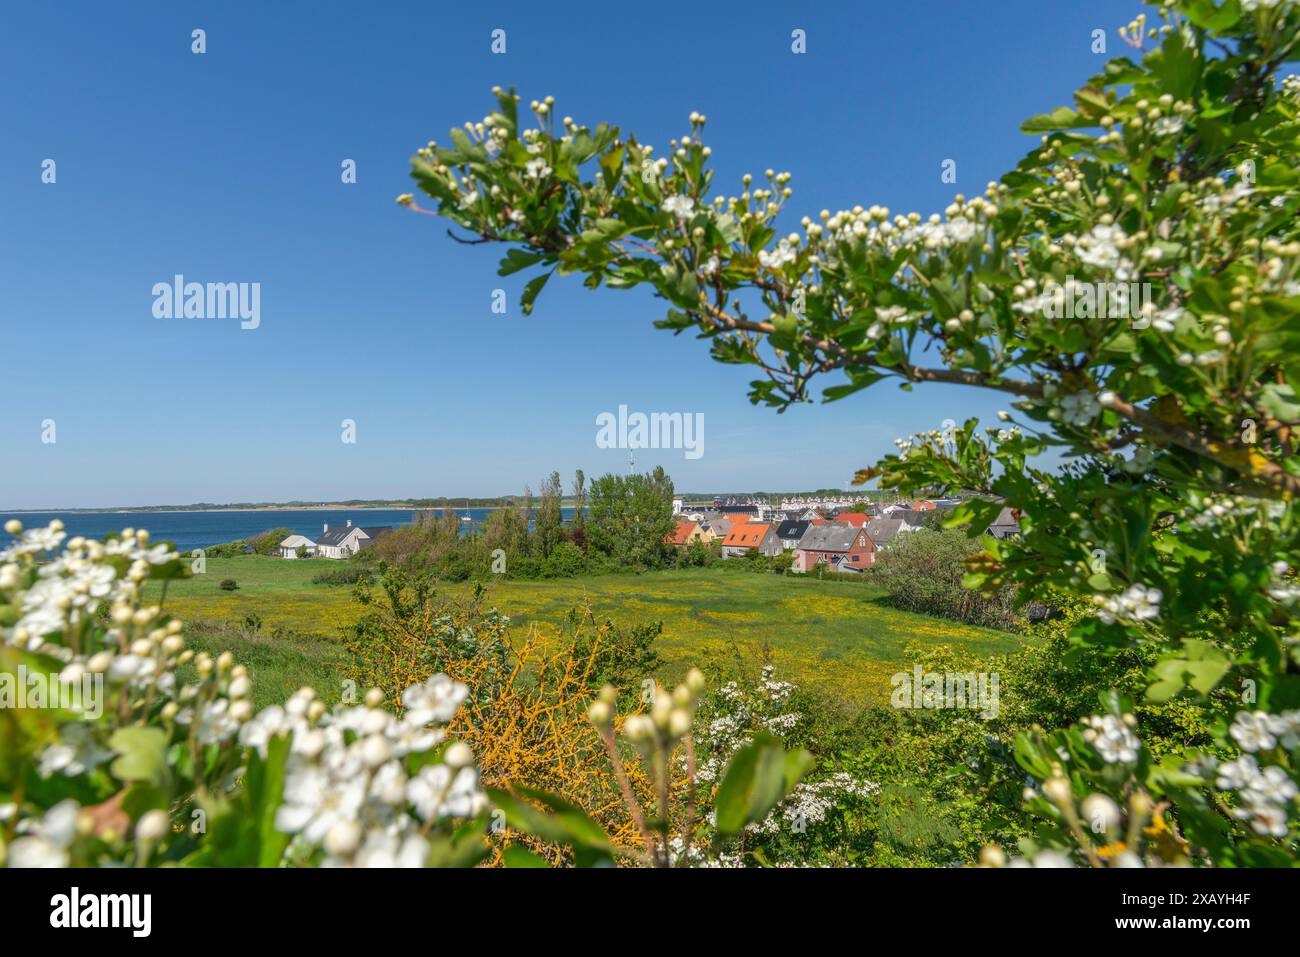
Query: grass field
{"x": 838, "y": 637}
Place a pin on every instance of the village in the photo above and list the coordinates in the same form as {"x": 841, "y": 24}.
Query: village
{"x": 826, "y": 534}
{"x": 837, "y": 534}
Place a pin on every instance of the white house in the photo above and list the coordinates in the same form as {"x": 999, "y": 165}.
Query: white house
{"x": 345, "y": 541}
{"x": 289, "y": 547}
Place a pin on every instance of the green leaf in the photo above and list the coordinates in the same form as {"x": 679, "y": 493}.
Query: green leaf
{"x": 517, "y": 259}
{"x": 142, "y": 755}
{"x": 758, "y": 777}
{"x": 567, "y": 826}
{"x": 265, "y": 787}
{"x": 516, "y": 856}
{"x": 531, "y": 291}
{"x": 1061, "y": 118}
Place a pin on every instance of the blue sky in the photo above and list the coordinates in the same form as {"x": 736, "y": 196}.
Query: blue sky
{"x": 226, "y": 167}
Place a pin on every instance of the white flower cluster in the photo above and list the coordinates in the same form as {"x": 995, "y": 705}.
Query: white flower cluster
{"x": 963, "y": 221}
{"x": 1113, "y": 737}
{"x": 683, "y": 207}
{"x": 347, "y": 788}
{"x": 693, "y": 855}
{"x": 1214, "y": 511}
{"x": 766, "y": 707}
{"x": 1103, "y": 248}
{"x": 729, "y": 730}
{"x": 811, "y": 801}
{"x": 72, "y": 584}
{"x": 1264, "y": 793}
{"x": 346, "y": 785}
{"x": 784, "y": 253}
{"x": 1079, "y": 409}
{"x": 1137, "y": 603}
{"x": 1261, "y": 731}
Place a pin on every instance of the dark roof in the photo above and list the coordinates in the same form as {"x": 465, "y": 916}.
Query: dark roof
{"x": 335, "y": 536}
{"x": 881, "y": 530}
{"x": 792, "y": 528}
{"x": 1008, "y": 516}
{"x": 829, "y": 538}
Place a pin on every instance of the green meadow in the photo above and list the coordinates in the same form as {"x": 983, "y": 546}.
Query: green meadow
{"x": 838, "y": 637}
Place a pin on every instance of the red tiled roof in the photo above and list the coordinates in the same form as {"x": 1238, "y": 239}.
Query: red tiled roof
{"x": 745, "y": 535}
{"x": 856, "y": 519}
{"x": 680, "y": 534}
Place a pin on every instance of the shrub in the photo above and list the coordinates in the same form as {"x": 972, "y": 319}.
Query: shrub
{"x": 344, "y": 575}
{"x": 268, "y": 543}
{"x": 923, "y": 571}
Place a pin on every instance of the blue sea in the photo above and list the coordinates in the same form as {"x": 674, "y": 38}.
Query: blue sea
{"x": 188, "y": 530}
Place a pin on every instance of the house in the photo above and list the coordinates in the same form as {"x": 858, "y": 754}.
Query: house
{"x": 289, "y": 547}
{"x": 834, "y": 546}
{"x": 717, "y": 525}
{"x": 1006, "y": 525}
{"x": 346, "y": 541}
{"x": 750, "y": 535}
{"x": 683, "y": 533}
{"x": 894, "y": 510}
{"x": 882, "y": 531}
{"x": 913, "y": 520}
{"x": 790, "y": 531}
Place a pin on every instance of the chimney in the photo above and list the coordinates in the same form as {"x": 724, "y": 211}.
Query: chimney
{"x": 327, "y": 526}
{"x": 349, "y": 523}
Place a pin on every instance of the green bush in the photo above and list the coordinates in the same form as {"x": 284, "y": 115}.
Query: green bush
{"x": 345, "y": 575}
{"x": 923, "y": 571}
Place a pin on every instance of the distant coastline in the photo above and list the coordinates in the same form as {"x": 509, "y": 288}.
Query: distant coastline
{"x": 323, "y": 507}
{"x": 375, "y": 504}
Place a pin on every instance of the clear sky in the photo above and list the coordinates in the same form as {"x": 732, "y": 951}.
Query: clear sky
{"x": 225, "y": 166}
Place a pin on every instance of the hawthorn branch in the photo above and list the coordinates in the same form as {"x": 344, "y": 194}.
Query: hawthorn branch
{"x": 1267, "y": 477}
{"x": 839, "y": 357}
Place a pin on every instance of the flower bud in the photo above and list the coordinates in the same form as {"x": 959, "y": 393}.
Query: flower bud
{"x": 992, "y": 856}
{"x": 1059, "y": 792}
{"x": 152, "y": 826}
{"x": 1101, "y": 813}
{"x": 375, "y": 751}
{"x": 458, "y": 755}
{"x": 679, "y": 723}
{"x": 343, "y": 838}
{"x": 598, "y": 713}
